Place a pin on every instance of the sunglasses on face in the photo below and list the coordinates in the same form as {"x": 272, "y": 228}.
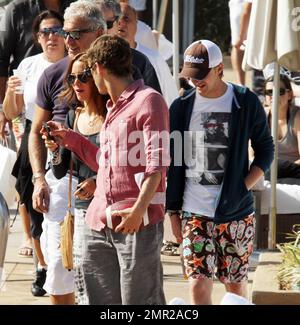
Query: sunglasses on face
{"x": 82, "y": 77}
{"x": 110, "y": 23}
{"x": 211, "y": 125}
{"x": 92, "y": 67}
{"x": 269, "y": 92}
{"x": 76, "y": 34}
{"x": 51, "y": 30}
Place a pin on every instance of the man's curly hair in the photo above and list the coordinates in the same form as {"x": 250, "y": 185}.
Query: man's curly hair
{"x": 113, "y": 53}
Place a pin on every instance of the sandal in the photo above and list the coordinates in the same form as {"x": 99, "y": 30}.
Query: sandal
{"x": 170, "y": 249}
{"x": 26, "y": 251}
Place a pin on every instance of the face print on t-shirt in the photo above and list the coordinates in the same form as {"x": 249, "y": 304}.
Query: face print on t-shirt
{"x": 209, "y": 148}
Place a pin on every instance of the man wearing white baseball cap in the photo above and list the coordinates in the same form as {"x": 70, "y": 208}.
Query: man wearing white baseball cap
{"x": 199, "y": 58}
{"x": 209, "y": 197}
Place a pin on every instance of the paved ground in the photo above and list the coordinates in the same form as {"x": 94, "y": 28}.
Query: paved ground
{"x": 18, "y": 271}
{"x": 18, "y": 275}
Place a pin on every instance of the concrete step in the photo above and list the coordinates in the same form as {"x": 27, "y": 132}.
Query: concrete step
{"x": 265, "y": 290}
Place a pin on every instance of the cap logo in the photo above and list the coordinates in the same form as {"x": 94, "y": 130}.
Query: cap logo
{"x": 192, "y": 59}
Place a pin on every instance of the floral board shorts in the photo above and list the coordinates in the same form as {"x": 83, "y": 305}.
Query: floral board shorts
{"x": 226, "y": 246}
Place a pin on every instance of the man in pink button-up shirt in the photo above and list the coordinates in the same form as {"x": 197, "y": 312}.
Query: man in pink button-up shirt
{"x": 122, "y": 266}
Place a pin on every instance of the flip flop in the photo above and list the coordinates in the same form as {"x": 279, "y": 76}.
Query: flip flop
{"x": 170, "y": 249}
{"x": 26, "y": 251}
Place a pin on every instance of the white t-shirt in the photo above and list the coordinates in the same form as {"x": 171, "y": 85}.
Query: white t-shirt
{"x": 206, "y": 151}
{"x": 32, "y": 67}
{"x": 165, "y": 78}
{"x": 145, "y": 36}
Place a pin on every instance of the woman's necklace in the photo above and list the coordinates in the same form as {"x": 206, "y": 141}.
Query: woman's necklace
{"x": 92, "y": 121}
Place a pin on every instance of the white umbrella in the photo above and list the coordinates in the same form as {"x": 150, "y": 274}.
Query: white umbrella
{"x": 273, "y": 36}
{"x": 175, "y": 30}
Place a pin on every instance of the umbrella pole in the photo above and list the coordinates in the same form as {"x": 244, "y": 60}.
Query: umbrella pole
{"x": 175, "y": 30}
{"x": 154, "y": 14}
{"x": 274, "y": 128}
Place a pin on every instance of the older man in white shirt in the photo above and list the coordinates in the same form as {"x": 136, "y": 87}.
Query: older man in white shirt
{"x": 127, "y": 29}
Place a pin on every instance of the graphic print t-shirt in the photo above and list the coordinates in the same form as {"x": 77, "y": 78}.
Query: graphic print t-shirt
{"x": 206, "y": 147}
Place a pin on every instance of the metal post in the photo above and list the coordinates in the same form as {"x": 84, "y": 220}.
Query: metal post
{"x": 274, "y": 127}
{"x": 162, "y": 16}
{"x": 4, "y": 228}
{"x": 175, "y": 30}
{"x": 154, "y": 14}
{"x": 188, "y": 22}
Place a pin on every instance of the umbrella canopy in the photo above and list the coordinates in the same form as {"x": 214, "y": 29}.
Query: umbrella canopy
{"x": 273, "y": 36}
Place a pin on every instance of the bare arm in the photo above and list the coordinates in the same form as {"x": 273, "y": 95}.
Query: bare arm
{"x": 36, "y": 147}
{"x": 132, "y": 217}
{"x": 3, "y": 119}
{"x": 38, "y": 156}
{"x": 175, "y": 219}
{"x": 297, "y": 133}
{"x": 253, "y": 177}
{"x": 13, "y": 103}
{"x": 2, "y": 88}
{"x": 245, "y": 17}
{"x": 250, "y": 152}
{"x": 147, "y": 192}
{"x": 75, "y": 142}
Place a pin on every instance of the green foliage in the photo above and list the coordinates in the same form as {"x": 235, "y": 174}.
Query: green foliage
{"x": 212, "y": 22}
{"x": 289, "y": 270}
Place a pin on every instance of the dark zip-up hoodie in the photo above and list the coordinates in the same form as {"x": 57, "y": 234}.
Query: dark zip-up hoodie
{"x": 247, "y": 121}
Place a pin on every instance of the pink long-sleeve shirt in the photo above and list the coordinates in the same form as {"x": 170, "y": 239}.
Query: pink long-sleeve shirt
{"x": 134, "y": 139}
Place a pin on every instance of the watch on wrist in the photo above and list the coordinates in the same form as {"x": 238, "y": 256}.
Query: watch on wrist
{"x": 37, "y": 175}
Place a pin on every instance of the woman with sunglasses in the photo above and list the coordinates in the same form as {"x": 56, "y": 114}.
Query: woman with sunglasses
{"x": 86, "y": 119}
{"x": 47, "y": 33}
{"x": 288, "y": 127}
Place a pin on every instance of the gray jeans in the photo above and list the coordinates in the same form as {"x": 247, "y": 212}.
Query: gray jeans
{"x": 78, "y": 246}
{"x": 124, "y": 269}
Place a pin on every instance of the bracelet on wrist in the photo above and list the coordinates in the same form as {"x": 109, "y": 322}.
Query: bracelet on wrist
{"x": 55, "y": 157}
{"x": 36, "y": 176}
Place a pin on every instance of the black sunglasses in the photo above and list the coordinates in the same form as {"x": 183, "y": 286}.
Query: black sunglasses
{"x": 51, "y": 30}
{"x": 110, "y": 23}
{"x": 76, "y": 34}
{"x": 269, "y": 92}
{"x": 82, "y": 77}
